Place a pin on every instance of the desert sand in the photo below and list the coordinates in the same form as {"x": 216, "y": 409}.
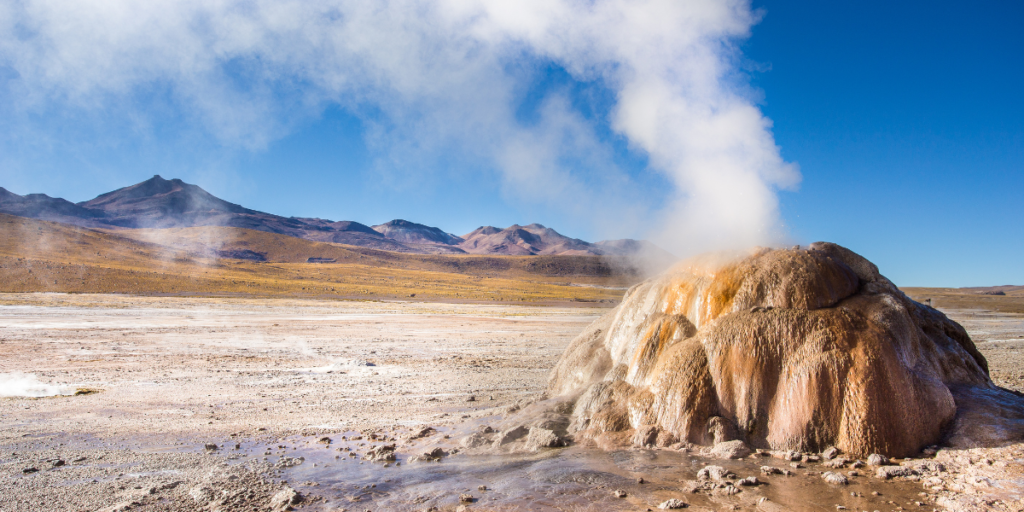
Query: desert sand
{"x": 238, "y": 404}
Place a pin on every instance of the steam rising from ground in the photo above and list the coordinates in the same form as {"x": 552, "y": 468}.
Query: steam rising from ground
{"x": 27, "y": 385}
{"x": 444, "y": 78}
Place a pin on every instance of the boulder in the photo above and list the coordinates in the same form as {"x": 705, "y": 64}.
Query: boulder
{"x": 511, "y": 435}
{"x": 284, "y": 499}
{"x": 542, "y": 438}
{"x": 834, "y": 478}
{"x": 796, "y": 350}
{"x": 731, "y": 450}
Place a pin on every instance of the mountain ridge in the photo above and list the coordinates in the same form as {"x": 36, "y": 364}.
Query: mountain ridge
{"x": 159, "y": 203}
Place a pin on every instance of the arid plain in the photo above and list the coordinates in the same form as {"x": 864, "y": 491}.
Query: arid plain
{"x": 293, "y": 394}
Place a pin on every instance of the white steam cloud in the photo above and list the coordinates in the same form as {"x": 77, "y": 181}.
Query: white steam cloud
{"x": 28, "y": 385}
{"x": 443, "y": 77}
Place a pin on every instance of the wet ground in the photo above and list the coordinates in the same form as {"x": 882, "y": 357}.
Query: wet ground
{"x": 276, "y": 377}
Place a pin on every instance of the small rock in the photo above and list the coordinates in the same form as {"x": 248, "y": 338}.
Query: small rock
{"x": 731, "y": 450}
{"x": 511, "y": 435}
{"x": 770, "y": 470}
{"x": 324, "y": 440}
{"x": 482, "y": 488}
{"x": 672, "y": 504}
{"x": 285, "y": 498}
{"x": 210, "y": 446}
{"x": 836, "y": 463}
{"x": 382, "y": 453}
{"x": 421, "y": 433}
{"x": 876, "y": 459}
{"x": 715, "y": 473}
{"x": 58, "y": 463}
{"x": 619, "y": 493}
{"x": 465, "y": 498}
{"x": 830, "y": 453}
{"x": 887, "y": 472}
{"x": 471, "y": 398}
{"x": 834, "y": 478}
{"x": 29, "y": 470}
{"x": 543, "y": 438}
{"x": 748, "y": 481}
{"x": 640, "y": 480}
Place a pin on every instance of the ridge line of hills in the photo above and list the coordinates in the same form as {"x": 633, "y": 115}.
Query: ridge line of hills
{"x": 159, "y": 203}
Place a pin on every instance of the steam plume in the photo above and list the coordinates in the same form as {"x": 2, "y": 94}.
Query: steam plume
{"x": 27, "y": 385}
{"x": 442, "y": 77}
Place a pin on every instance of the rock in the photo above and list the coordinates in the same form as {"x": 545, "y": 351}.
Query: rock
{"x": 432, "y": 456}
{"x": 324, "y": 440}
{"x": 382, "y": 453}
{"x": 543, "y": 438}
{"x": 421, "y": 433}
{"x": 619, "y": 493}
{"x": 29, "y": 470}
{"x": 481, "y": 488}
{"x": 285, "y": 498}
{"x": 688, "y": 338}
{"x": 672, "y": 504}
{"x": 731, "y": 450}
{"x": 770, "y": 470}
{"x": 465, "y": 498}
{"x": 715, "y": 473}
{"x": 511, "y": 435}
{"x": 787, "y": 455}
{"x": 460, "y": 508}
{"x": 471, "y": 398}
{"x": 749, "y": 481}
{"x": 834, "y": 478}
{"x": 877, "y": 460}
{"x": 646, "y": 435}
{"x": 830, "y": 453}
{"x": 58, "y": 463}
{"x": 721, "y": 430}
{"x": 477, "y": 439}
{"x": 210, "y": 447}
{"x": 887, "y": 472}
{"x": 836, "y": 463}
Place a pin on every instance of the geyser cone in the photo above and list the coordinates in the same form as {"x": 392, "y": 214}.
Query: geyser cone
{"x": 795, "y": 349}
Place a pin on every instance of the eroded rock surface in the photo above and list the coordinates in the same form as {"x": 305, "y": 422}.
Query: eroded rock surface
{"x": 789, "y": 349}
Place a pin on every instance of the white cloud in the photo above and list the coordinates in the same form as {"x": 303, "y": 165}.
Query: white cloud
{"x": 442, "y": 77}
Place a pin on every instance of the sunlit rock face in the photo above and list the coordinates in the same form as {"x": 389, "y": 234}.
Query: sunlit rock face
{"x": 796, "y": 349}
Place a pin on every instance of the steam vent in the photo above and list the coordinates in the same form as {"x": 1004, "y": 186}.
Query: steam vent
{"x": 796, "y": 349}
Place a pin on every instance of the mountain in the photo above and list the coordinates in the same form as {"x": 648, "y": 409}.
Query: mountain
{"x": 158, "y": 203}
{"x": 533, "y": 239}
{"x": 413, "y": 233}
{"x": 44, "y": 207}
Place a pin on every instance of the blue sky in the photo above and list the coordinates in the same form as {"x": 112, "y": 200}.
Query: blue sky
{"x": 897, "y": 130}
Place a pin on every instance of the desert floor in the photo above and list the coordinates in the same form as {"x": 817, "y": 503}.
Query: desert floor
{"x": 292, "y": 393}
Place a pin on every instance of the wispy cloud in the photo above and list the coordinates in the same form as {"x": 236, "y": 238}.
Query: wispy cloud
{"x": 441, "y": 77}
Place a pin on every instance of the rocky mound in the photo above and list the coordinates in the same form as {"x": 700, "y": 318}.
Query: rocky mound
{"x": 797, "y": 349}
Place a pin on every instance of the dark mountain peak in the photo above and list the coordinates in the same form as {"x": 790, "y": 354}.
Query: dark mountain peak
{"x": 161, "y": 203}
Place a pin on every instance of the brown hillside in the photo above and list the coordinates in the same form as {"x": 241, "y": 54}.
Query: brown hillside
{"x": 41, "y": 256}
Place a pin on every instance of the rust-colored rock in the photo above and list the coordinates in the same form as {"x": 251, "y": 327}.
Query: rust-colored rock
{"x": 796, "y": 349}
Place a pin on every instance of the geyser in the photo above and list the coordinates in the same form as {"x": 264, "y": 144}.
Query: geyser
{"x": 787, "y": 349}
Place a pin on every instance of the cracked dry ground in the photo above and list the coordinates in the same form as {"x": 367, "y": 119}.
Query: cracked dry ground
{"x": 175, "y": 374}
